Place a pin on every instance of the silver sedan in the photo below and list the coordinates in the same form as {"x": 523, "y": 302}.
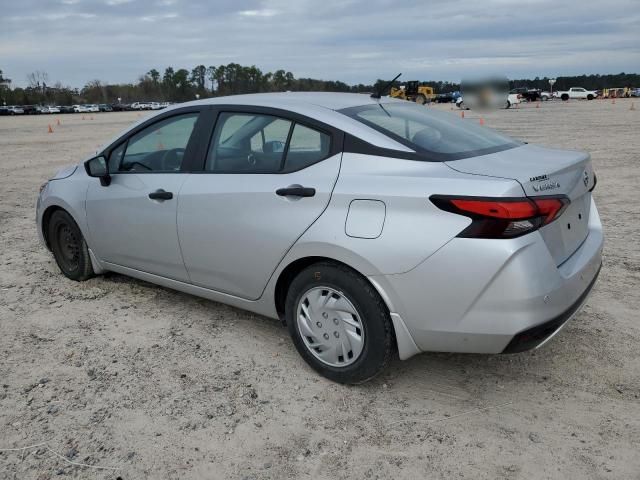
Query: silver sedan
{"x": 369, "y": 226}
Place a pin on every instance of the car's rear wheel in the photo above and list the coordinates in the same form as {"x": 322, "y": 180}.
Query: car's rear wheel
{"x": 564, "y": 97}
{"x": 338, "y": 323}
{"x": 69, "y": 247}
{"x": 589, "y": 97}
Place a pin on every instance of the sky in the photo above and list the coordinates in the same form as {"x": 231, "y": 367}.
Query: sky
{"x": 356, "y": 41}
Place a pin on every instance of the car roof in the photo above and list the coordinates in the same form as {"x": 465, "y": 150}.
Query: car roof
{"x": 322, "y": 106}
{"x": 329, "y": 100}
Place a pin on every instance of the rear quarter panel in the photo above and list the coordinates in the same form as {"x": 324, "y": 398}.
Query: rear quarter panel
{"x": 413, "y": 227}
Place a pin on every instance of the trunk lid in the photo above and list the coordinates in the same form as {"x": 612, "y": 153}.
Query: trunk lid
{"x": 541, "y": 172}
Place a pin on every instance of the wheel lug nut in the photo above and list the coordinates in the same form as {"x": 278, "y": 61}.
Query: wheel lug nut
{"x": 325, "y": 315}
{"x": 336, "y": 334}
{"x": 335, "y": 320}
{"x": 326, "y": 336}
{"x": 319, "y": 325}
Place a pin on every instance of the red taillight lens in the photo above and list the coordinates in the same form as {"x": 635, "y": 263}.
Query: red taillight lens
{"x": 502, "y": 217}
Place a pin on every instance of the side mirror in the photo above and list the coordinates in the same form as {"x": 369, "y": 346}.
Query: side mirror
{"x": 98, "y": 168}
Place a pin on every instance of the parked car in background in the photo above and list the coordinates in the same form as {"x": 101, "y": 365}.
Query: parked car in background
{"x": 120, "y": 107}
{"x": 80, "y": 109}
{"x": 93, "y": 108}
{"x": 140, "y": 106}
{"x": 66, "y": 109}
{"x": 366, "y": 225}
{"x": 103, "y": 107}
{"x": 544, "y": 96}
{"x": 31, "y": 109}
{"x": 526, "y": 94}
{"x": 576, "y": 93}
{"x": 4, "y": 110}
{"x": 447, "y": 97}
{"x": 155, "y": 106}
{"x": 635, "y": 92}
{"x": 50, "y": 109}
{"x": 15, "y": 110}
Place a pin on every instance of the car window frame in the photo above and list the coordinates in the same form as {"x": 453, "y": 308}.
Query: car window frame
{"x": 336, "y": 136}
{"x": 193, "y": 150}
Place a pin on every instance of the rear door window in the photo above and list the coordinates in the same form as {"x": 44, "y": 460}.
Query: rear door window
{"x": 261, "y": 143}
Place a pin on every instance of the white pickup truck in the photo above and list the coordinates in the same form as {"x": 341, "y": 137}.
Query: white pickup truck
{"x": 575, "y": 92}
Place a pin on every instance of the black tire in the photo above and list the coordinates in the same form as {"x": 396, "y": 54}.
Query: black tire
{"x": 589, "y": 97}
{"x": 69, "y": 247}
{"x": 508, "y": 105}
{"x": 564, "y": 97}
{"x": 375, "y": 319}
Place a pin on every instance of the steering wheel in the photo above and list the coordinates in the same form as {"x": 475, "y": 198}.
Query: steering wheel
{"x": 170, "y": 160}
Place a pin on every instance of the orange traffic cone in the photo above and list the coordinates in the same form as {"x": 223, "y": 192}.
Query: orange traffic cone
{"x": 58, "y": 121}
{"x": 462, "y": 114}
{"x": 50, "y": 129}
{"x": 91, "y": 117}
{"x": 481, "y": 121}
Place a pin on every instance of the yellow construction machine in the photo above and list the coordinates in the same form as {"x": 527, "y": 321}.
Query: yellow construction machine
{"x": 413, "y": 92}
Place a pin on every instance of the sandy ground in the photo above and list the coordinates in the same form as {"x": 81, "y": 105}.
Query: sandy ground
{"x": 152, "y": 383}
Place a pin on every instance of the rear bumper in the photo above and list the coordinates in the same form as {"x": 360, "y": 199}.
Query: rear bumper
{"x": 492, "y": 296}
{"x": 537, "y": 336}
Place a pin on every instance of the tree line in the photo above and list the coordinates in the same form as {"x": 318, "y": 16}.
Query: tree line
{"x": 178, "y": 85}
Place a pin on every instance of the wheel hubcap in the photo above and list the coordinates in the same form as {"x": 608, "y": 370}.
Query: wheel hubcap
{"x": 69, "y": 247}
{"x": 330, "y": 326}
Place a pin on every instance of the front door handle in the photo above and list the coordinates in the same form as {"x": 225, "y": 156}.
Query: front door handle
{"x": 296, "y": 191}
{"x": 160, "y": 194}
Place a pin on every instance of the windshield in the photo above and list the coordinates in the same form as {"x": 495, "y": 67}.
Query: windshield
{"x": 440, "y": 136}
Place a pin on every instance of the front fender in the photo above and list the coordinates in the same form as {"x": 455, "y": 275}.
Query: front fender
{"x": 69, "y": 194}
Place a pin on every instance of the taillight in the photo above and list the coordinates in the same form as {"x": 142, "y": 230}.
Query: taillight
{"x": 502, "y": 217}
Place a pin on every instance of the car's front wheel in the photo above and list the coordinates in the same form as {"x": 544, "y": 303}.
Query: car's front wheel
{"x": 339, "y": 323}
{"x": 69, "y": 247}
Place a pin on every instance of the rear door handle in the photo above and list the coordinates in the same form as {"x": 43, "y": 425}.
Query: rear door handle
{"x": 296, "y": 191}
{"x": 160, "y": 194}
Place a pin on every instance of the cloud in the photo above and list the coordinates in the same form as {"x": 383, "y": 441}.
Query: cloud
{"x": 265, "y": 12}
{"x": 350, "y": 40}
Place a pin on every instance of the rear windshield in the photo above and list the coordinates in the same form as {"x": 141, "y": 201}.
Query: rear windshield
{"x": 439, "y": 136}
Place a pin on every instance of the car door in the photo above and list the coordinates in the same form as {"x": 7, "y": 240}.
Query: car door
{"x": 132, "y": 221}
{"x": 266, "y": 179}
